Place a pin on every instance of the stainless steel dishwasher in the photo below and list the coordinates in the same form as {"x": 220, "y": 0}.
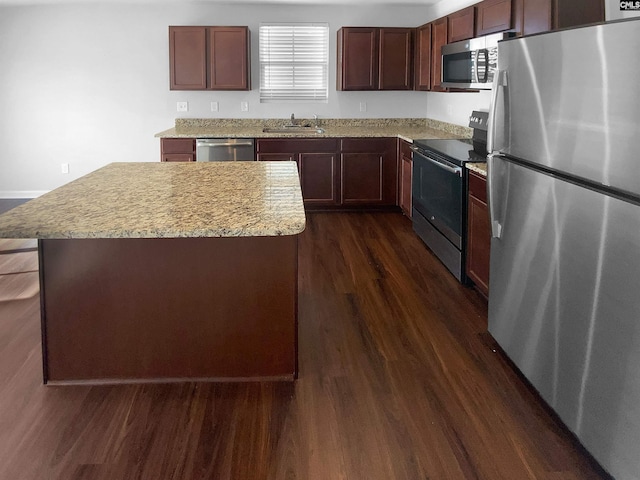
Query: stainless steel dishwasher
{"x": 225, "y": 149}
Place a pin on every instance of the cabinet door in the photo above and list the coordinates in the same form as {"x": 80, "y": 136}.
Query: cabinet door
{"x": 177, "y": 149}
{"x": 422, "y": 58}
{"x": 493, "y": 16}
{"x": 572, "y": 13}
{"x": 532, "y": 16}
{"x": 478, "y": 233}
{"x": 228, "y": 58}
{"x": 319, "y": 179}
{"x": 406, "y": 164}
{"x": 461, "y": 25}
{"x": 369, "y": 172}
{"x": 396, "y": 59}
{"x": 187, "y": 58}
{"x": 536, "y": 16}
{"x": 438, "y": 39}
{"x": 357, "y": 58}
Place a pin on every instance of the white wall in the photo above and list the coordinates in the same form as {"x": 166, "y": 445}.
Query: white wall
{"x": 89, "y": 84}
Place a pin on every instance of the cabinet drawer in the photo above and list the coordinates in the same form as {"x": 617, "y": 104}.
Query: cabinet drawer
{"x": 178, "y": 157}
{"x": 360, "y": 145}
{"x": 478, "y": 186}
{"x": 298, "y": 145}
{"x": 276, "y": 157}
{"x": 178, "y": 145}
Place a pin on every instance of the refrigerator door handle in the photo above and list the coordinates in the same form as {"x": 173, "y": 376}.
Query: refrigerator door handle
{"x": 496, "y": 227}
{"x": 499, "y": 81}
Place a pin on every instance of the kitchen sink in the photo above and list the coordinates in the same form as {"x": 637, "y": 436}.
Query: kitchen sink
{"x": 294, "y": 129}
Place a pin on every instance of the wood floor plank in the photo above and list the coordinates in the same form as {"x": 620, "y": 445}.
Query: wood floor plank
{"x": 12, "y": 245}
{"x": 399, "y": 380}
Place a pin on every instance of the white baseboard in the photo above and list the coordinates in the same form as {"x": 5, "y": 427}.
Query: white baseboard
{"x": 22, "y": 193}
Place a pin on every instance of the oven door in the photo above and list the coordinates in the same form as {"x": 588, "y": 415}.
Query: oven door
{"x": 438, "y": 193}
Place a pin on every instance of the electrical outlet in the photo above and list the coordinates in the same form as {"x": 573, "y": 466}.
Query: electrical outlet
{"x": 244, "y": 106}
{"x": 215, "y": 107}
{"x": 363, "y": 106}
{"x": 64, "y": 168}
{"x": 183, "y": 106}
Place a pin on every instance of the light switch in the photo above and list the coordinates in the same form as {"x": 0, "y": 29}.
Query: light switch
{"x": 183, "y": 106}
{"x": 214, "y": 106}
{"x": 363, "y": 106}
{"x": 244, "y": 106}
{"x": 64, "y": 168}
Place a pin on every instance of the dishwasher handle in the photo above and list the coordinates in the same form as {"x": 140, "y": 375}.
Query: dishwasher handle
{"x": 222, "y": 143}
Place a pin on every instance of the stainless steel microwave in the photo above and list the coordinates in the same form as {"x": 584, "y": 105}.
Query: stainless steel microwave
{"x": 470, "y": 64}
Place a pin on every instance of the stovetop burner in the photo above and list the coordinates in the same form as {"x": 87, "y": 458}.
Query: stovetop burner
{"x": 461, "y": 150}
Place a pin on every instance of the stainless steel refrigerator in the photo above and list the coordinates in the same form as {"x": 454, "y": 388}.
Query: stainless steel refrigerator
{"x": 564, "y": 199}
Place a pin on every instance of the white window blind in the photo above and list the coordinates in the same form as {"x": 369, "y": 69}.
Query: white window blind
{"x": 294, "y": 62}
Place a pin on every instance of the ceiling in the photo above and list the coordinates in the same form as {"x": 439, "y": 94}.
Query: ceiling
{"x": 265, "y": 2}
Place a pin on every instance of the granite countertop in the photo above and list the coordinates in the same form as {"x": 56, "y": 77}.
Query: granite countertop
{"x": 167, "y": 200}
{"x": 407, "y": 129}
{"x": 478, "y": 167}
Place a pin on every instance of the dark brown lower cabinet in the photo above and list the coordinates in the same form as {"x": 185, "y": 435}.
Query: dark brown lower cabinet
{"x": 369, "y": 171}
{"x": 334, "y": 173}
{"x": 478, "y": 233}
{"x": 154, "y": 309}
{"x": 317, "y": 161}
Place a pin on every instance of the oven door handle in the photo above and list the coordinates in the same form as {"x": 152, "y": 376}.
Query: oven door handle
{"x": 455, "y": 170}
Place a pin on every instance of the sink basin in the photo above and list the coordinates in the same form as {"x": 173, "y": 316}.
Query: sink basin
{"x": 311, "y": 130}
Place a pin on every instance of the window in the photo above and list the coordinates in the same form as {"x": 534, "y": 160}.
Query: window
{"x": 294, "y": 62}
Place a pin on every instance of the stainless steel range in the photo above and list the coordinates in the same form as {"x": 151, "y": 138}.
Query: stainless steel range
{"x": 439, "y": 190}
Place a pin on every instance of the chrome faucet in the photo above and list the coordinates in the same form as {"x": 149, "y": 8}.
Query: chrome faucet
{"x": 293, "y": 119}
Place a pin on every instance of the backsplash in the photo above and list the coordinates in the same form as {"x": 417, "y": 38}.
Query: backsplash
{"x": 456, "y": 130}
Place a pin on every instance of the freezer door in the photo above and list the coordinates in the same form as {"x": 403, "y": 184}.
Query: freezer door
{"x": 565, "y": 305}
{"x": 569, "y": 100}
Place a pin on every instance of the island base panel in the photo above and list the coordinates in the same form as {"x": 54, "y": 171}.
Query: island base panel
{"x": 120, "y": 310}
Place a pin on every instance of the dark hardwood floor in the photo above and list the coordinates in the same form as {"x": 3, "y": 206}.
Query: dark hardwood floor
{"x": 398, "y": 380}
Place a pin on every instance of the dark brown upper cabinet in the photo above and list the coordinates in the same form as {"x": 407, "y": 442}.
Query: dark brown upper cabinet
{"x": 209, "y": 58}
{"x": 461, "y": 25}
{"x": 422, "y": 58}
{"x": 493, "y": 16}
{"x": 358, "y": 58}
{"x": 535, "y": 16}
{"x": 438, "y": 39}
{"x": 371, "y": 58}
{"x": 396, "y": 59}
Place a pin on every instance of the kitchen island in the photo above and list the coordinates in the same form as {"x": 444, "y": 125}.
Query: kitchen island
{"x": 156, "y": 272}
